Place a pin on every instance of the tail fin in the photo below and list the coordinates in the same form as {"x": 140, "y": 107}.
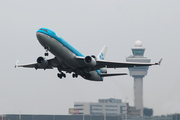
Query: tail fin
{"x": 102, "y": 53}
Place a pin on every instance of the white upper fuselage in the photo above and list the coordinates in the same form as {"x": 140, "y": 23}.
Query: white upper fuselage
{"x": 65, "y": 53}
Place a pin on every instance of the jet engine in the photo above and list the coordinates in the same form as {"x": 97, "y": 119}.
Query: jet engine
{"x": 103, "y": 70}
{"x": 90, "y": 61}
{"x": 93, "y": 56}
{"x": 42, "y": 62}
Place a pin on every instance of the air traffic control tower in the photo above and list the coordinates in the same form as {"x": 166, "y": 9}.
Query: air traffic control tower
{"x": 138, "y": 73}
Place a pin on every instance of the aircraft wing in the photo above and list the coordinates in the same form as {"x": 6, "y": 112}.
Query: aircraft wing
{"x": 51, "y": 63}
{"x": 115, "y": 64}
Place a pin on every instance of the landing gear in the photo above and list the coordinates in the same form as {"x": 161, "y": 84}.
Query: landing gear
{"x": 61, "y": 74}
{"x": 46, "y": 54}
{"x": 74, "y": 75}
{"x": 46, "y": 48}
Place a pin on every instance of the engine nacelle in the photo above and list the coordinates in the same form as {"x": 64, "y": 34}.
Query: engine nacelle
{"x": 42, "y": 62}
{"x": 93, "y": 56}
{"x": 90, "y": 61}
{"x": 103, "y": 70}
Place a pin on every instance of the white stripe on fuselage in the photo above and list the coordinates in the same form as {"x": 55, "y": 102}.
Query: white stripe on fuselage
{"x": 62, "y": 53}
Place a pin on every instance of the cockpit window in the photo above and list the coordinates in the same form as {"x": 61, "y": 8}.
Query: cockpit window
{"x": 44, "y": 30}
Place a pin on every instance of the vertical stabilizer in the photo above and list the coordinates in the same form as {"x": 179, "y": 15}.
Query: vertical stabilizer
{"x": 102, "y": 53}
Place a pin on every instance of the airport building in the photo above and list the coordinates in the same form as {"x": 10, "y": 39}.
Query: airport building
{"x": 102, "y": 107}
{"x": 138, "y": 73}
{"x": 133, "y": 112}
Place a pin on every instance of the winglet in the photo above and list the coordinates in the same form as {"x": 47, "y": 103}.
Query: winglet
{"x": 159, "y": 63}
{"x": 17, "y": 63}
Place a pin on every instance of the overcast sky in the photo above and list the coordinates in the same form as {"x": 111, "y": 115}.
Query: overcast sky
{"x": 88, "y": 25}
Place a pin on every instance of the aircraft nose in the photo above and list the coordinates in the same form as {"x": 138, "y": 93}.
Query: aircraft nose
{"x": 39, "y": 36}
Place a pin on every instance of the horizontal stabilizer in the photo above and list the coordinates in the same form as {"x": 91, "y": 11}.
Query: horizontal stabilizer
{"x": 17, "y": 63}
{"x": 113, "y": 74}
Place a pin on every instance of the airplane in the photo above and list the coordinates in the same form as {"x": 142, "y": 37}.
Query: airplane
{"x": 68, "y": 59}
